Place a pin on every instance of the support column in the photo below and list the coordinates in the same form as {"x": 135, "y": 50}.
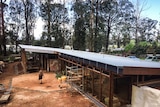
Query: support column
{"x": 92, "y": 84}
{"x": 24, "y": 60}
{"x": 83, "y": 78}
{"x": 100, "y": 90}
{"x": 111, "y": 88}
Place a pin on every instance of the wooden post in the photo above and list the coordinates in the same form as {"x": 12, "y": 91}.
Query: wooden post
{"x": 49, "y": 62}
{"x": 83, "y": 77}
{"x": 45, "y": 62}
{"x": 137, "y": 81}
{"x": 92, "y": 84}
{"x": 111, "y": 88}
{"x": 41, "y": 57}
{"x": 100, "y": 89}
{"x": 143, "y": 78}
{"x": 87, "y": 79}
{"x": 24, "y": 60}
{"x": 62, "y": 65}
{"x": 130, "y": 89}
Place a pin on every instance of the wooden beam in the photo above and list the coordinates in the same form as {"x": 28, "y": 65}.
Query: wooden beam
{"x": 93, "y": 70}
{"x": 70, "y": 61}
{"x": 92, "y": 83}
{"x": 100, "y": 89}
{"x": 140, "y": 71}
{"x": 111, "y": 88}
{"x": 24, "y": 60}
{"x": 83, "y": 79}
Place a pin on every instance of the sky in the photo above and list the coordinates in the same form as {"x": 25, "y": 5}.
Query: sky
{"x": 151, "y": 10}
{"x": 154, "y": 11}
{"x": 39, "y": 28}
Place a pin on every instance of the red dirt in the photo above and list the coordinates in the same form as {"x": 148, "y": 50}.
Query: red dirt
{"x": 28, "y": 92}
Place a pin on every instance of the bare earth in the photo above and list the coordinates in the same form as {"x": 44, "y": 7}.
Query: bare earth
{"x": 28, "y": 92}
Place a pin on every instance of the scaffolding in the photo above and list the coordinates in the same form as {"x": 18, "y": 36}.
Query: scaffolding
{"x": 74, "y": 76}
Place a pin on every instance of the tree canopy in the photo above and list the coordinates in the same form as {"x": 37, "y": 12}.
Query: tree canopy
{"x": 95, "y": 25}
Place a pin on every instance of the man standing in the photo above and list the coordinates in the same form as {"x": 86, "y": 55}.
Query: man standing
{"x": 40, "y": 76}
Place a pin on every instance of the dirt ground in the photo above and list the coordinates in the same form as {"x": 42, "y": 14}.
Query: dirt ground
{"x": 28, "y": 92}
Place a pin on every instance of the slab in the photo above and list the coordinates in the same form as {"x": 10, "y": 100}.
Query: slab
{"x": 4, "y": 98}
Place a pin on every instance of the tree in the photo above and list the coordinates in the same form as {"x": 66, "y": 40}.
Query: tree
{"x": 23, "y": 14}
{"x": 2, "y": 30}
{"x": 80, "y": 9}
{"x": 16, "y": 15}
{"x": 119, "y": 17}
{"x": 129, "y": 47}
{"x": 79, "y": 34}
{"x": 124, "y": 20}
{"x": 109, "y": 10}
{"x": 139, "y": 8}
{"x": 146, "y": 27}
{"x": 30, "y": 19}
{"x": 55, "y": 17}
{"x": 140, "y": 48}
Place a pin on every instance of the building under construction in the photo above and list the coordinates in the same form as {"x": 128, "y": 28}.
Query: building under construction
{"x": 105, "y": 79}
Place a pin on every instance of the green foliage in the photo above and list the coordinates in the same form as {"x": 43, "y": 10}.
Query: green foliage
{"x": 140, "y": 48}
{"x": 79, "y": 37}
{"x": 157, "y": 50}
{"x": 23, "y": 14}
{"x": 58, "y": 75}
{"x": 146, "y": 27}
{"x": 54, "y": 24}
{"x": 129, "y": 47}
{"x": 81, "y": 14}
{"x": 99, "y": 42}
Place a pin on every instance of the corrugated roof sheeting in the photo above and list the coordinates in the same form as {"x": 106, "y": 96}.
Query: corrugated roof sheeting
{"x": 111, "y": 60}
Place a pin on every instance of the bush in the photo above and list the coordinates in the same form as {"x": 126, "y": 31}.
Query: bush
{"x": 129, "y": 47}
{"x": 58, "y": 75}
{"x": 141, "y": 48}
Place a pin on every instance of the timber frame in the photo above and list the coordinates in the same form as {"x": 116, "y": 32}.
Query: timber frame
{"x": 114, "y": 80}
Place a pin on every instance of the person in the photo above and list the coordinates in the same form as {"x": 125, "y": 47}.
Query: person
{"x": 40, "y": 76}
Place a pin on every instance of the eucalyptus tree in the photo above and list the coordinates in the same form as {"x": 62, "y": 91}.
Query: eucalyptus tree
{"x": 140, "y": 6}
{"x": 81, "y": 17}
{"x": 16, "y": 15}
{"x": 55, "y": 17}
{"x": 96, "y": 25}
{"x": 124, "y": 20}
{"x": 16, "y": 23}
{"x": 2, "y": 28}
{"x": 29, "y": 8}
{"x": 108, "y": 11}
{"x": 146, "y": 28}
{"x": 158, "y": 33}
{"x": 45, "y": 13}
{"x": 89, "y": 26}
{"x": 23, "y": 13}
{"x": 118, "y": 16}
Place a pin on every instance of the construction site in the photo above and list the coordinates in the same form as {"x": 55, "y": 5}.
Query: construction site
{"x": 80, "y": 79}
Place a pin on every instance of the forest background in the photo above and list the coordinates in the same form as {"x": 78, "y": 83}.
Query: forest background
{"x": 94, "y": 25}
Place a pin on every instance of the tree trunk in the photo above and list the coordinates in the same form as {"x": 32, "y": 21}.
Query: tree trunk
{"x": 136, "y": 35}
{"x": 3, "y": 33}
{"x": 118, "y": 41}
{"x": 108, "y": 33}
{"x": 96, "y": 30}
{"x": 26, "y": 21}
{"x": 27, "y": 33}
{"x": 49, "y": 18}
{"x": 91, "y": 45}
{"x": 107, "y": 38}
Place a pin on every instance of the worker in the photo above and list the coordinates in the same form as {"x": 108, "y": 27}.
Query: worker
{"x": 40, "y": 76}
